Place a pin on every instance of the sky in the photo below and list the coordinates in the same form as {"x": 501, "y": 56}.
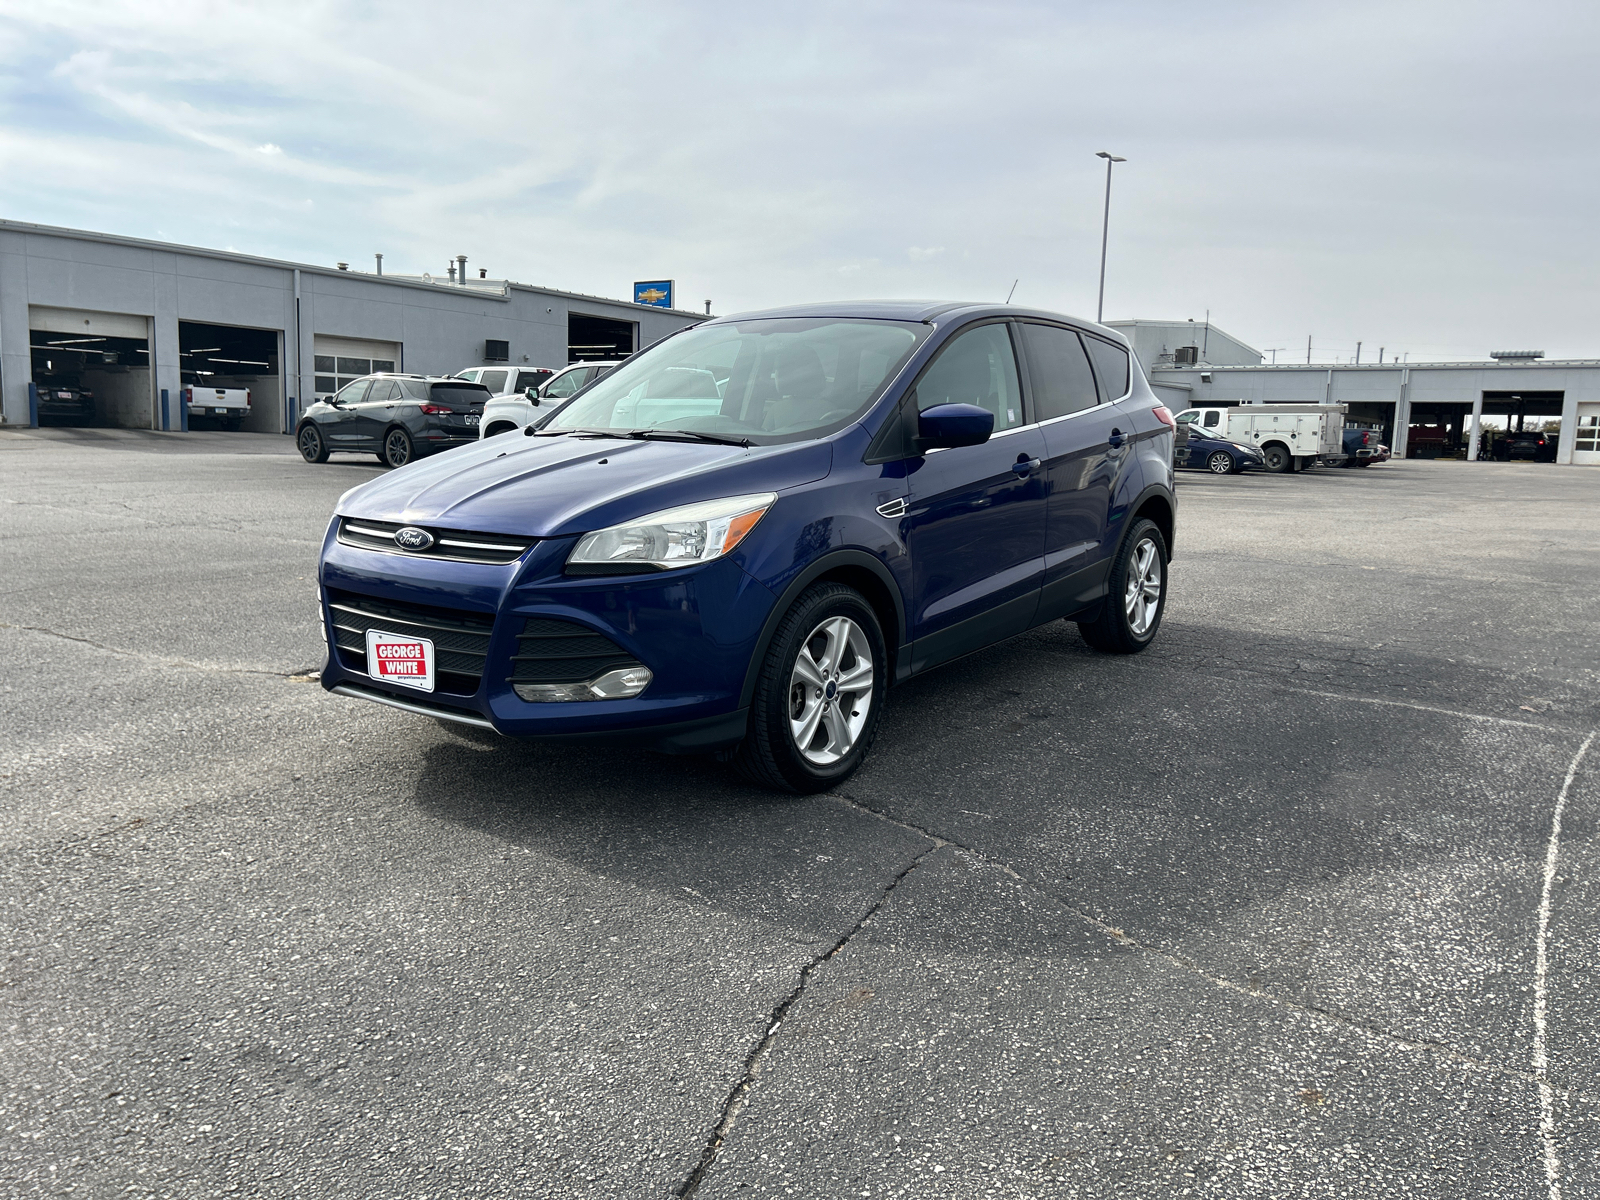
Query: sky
{"x": 1419, "y": 177}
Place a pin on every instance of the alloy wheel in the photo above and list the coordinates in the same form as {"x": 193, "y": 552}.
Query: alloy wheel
{"x": 397, "y": 448}
{"x": 1221, "y": 463}
{"x": 1143, "y": 595}
{"x": 830, "y": 691}
{"x": 310, "y": 443}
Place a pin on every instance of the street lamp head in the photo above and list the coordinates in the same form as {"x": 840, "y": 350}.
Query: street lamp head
{"x": 1109, "y": 155}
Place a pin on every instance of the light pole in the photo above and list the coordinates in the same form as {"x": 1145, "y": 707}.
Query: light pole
{"x": 1105, "y": 230}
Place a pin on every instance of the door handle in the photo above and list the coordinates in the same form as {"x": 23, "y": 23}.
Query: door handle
{"x": 1115, "y": 438}
{"x": 1025, "y": 465}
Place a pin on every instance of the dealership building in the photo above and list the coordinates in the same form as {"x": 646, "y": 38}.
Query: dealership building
{"x": 1424, "y": 408}
{"x": 135, "y": 322}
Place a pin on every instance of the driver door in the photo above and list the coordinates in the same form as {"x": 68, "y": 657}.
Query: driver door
{"x": 975, "y": 523}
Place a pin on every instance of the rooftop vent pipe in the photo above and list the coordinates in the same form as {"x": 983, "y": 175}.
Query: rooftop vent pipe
{"x": 342, "y": 266}
{"x": 379, "y": 257}
{"x": 461, "y": 261}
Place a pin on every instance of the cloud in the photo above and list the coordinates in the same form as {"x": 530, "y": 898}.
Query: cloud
{"x": 1348, "y": 183}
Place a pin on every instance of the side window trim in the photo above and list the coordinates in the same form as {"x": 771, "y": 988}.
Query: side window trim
{"x": 1099, "y": 383}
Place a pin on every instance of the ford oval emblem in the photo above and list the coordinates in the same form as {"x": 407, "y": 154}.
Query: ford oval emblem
{"x": 412, "y": 538}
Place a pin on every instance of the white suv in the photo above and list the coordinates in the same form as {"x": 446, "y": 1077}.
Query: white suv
{"x": 507, "y": 381}
{"x": 505, "y": 413}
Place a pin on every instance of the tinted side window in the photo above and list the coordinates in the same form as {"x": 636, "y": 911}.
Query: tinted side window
{"x": 1111, "y": 364}
{"x": 353, "y": 393}
{"x": 495, "y": 381}
{"x": 1062, "y": 381}
{"x": 414, "y": 389}
{"x": 384, "y": 391}
{"x": 1211, "y": 419}
{"x": 979, "y": 368}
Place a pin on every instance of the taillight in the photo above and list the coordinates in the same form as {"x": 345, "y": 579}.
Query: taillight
{"x": 1164, "y": 415}
{"x": 1363, "y": 439}
{"x": 437, "y": 410}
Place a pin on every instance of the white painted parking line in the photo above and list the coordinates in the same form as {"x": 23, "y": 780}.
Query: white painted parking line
{"x": 1541, "y": 1061}
{"x": 1448, "y": 712}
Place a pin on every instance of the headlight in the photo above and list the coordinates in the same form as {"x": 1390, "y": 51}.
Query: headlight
{"x": 675, "y": 537}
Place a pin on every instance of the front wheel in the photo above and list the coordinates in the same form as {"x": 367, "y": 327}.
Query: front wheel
{"x": 397, "y": 447}
{"x": 819, "y": 695}
{"x": 1279, "y": 460}
{"x": 312, "y": 447}
{"x": 1137, "y": 595}
{"x": 1221, "y": 463}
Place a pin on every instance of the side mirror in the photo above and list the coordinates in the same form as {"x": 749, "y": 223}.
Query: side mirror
{"x": 532, "y": 393}
{"x": 948, "y": 425}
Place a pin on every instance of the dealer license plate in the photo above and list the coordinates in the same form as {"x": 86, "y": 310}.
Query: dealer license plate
{"x": 395, "y": 658}
{"x": 472, "y": 418}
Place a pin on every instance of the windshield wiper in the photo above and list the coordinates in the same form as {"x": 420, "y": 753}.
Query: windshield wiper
{"x": 688, "y": 435}
{"x": 593, "y": 433}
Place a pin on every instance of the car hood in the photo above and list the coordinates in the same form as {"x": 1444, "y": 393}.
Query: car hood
{"x": 553, "y": 486}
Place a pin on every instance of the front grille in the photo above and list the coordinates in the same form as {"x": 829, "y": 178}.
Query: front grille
{"x": 550, "y": 650}
{"x": 460, "y": 639}
{"x": 457, "y": 545}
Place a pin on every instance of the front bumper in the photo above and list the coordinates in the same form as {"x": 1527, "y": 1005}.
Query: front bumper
{"x": 696, "y": 629}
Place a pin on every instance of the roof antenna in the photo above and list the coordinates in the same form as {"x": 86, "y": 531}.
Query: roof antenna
{"x": 1013, "y": 290}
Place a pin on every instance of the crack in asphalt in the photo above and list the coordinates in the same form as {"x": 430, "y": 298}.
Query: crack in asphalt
{"x": 739, "y": 1096}
{"x": 1377, "y": 1032}
{"x": 304, "y": 673}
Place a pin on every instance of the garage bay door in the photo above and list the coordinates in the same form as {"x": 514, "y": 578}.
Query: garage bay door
{"x": 91, "y": 368}
{"x": 1586, "y": 447}
{"x": 341, "y": 359}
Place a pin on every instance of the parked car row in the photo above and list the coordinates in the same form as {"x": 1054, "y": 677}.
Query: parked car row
{"x": 1275, "y": 437}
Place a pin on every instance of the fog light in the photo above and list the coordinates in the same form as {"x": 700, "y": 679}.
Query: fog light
{"x": 613, "y": 685}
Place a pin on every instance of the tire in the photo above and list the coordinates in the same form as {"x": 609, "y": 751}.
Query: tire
{"x": 398, "y": 448}
{"x": 313, "y": 446}
{"x": 1221, "y": 463}
{"x": 828, "y": 634}
{"x": 1279, "y": 460}
{"x": 1130, "y": 617}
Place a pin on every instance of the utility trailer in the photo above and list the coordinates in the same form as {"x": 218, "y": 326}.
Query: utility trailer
{"x": 1292, "y": 437}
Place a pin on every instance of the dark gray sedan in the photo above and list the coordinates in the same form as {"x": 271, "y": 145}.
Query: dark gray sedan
{"x": 397, "y": 417}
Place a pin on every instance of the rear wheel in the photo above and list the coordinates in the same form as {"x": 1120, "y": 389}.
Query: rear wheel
{"x": 398, "y": 449}
{"x": 1221, "y": 463}
{"x": 1137, "y": 596}
{"x": 819, "y": 696}
{"x": 312, "y": 448}
{"x": 1279, "y": 460}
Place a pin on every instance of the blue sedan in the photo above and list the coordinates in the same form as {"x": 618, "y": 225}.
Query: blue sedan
{"x": 1206, "y": 452}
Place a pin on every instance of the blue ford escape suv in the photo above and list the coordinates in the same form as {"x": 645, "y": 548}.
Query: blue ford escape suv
{"x": 739, "y": 539}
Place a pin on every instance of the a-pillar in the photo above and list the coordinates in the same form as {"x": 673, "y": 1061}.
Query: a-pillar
{"x": 1472, "y": 429}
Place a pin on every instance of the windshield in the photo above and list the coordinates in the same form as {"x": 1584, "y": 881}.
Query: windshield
{"x": 763, "y": 381}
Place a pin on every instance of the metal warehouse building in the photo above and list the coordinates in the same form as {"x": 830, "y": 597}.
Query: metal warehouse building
{"x": 1422, "y": 407}
{"x": 136, "y": 321}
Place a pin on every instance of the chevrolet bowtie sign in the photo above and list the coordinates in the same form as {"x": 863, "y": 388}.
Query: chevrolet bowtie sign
{"x": 657, "y": 293}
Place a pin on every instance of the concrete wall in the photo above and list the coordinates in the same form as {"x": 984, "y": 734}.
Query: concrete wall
{"x": 121, "y": 398}
{"x": 1402, "y": 387}
{"x": 442, "y": 327}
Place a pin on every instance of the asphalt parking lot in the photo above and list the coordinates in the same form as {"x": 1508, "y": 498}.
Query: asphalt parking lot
{"x": 1257, "y": 913}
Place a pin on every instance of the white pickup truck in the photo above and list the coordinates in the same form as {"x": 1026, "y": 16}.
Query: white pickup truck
{"x": 230, "y": 406}
{"x": 1292, "y": 437}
